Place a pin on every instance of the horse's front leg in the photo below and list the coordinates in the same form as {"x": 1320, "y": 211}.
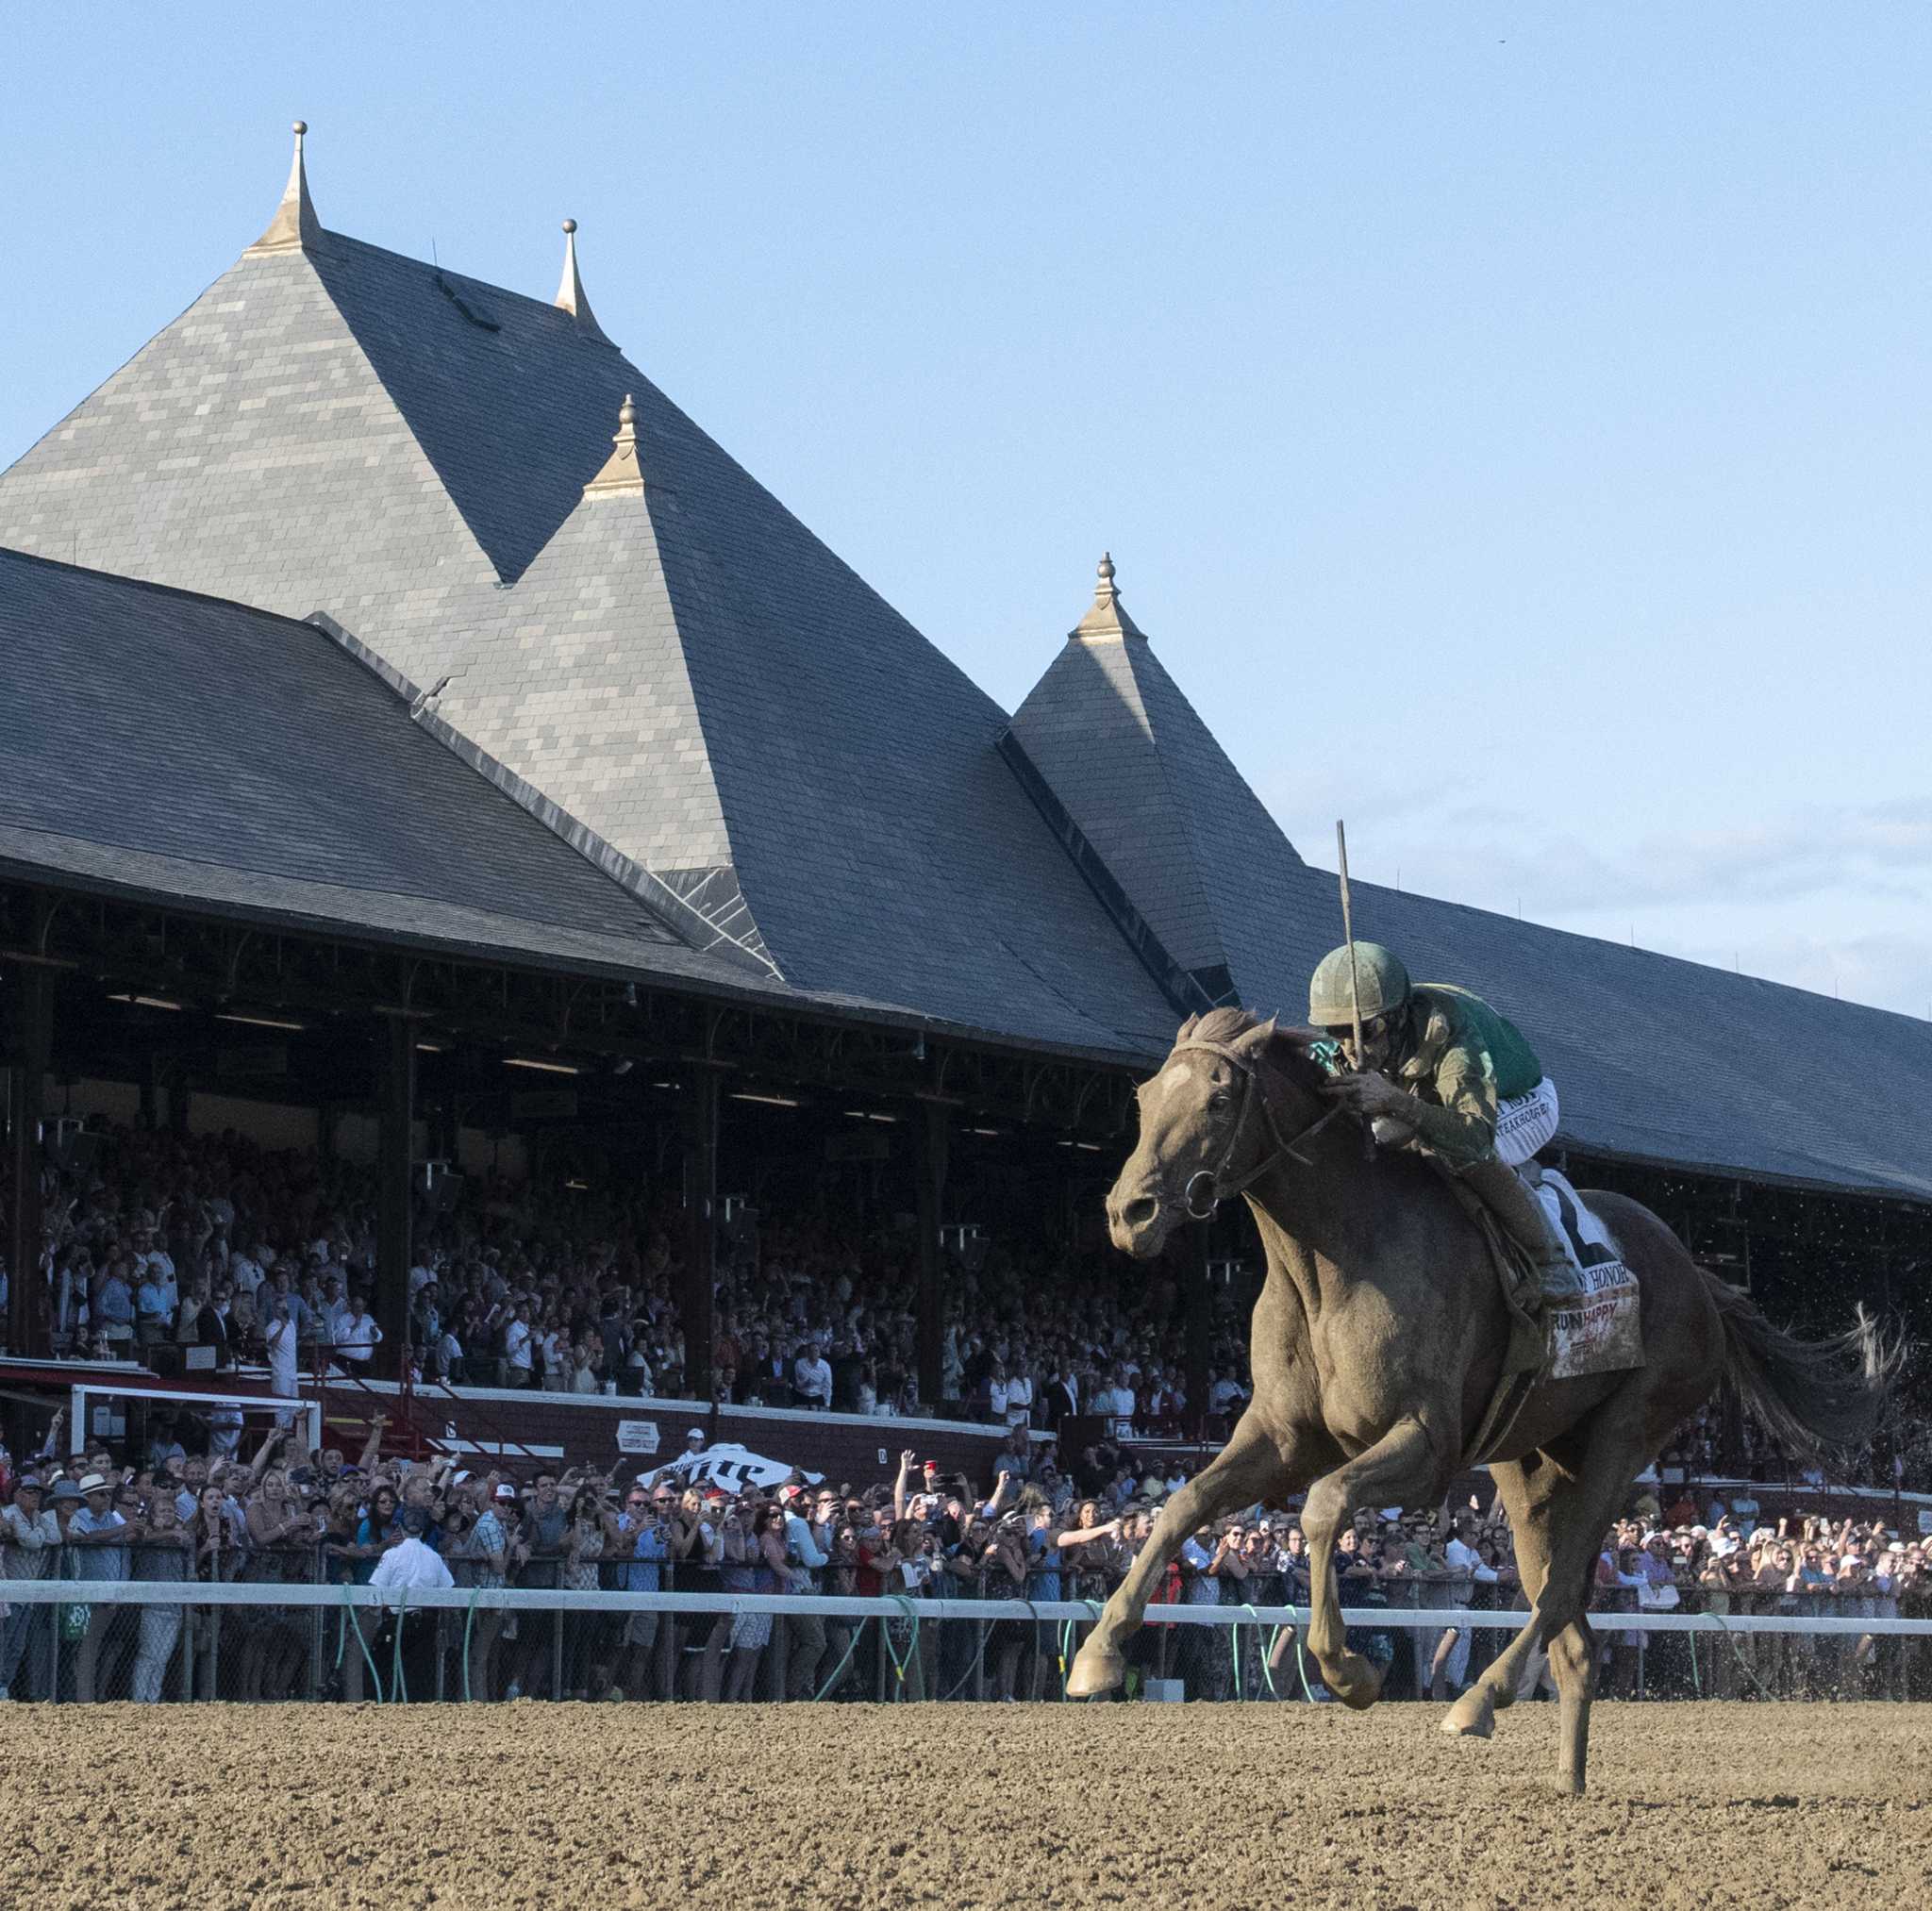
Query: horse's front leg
{"x": 1402, "y": 1468}
{"x": 1252, "y": 1465}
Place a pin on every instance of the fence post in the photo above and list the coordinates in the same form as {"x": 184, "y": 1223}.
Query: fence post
{"x": 777, "y": 1656}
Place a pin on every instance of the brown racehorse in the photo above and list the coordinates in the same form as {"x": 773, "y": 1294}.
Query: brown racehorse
{"x": 1376, "y": 1344}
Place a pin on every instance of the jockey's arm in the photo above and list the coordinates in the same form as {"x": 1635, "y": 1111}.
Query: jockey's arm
{"x": 1460, "y": 1123}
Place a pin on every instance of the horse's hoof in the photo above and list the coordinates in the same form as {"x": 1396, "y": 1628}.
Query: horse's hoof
{"x": 1096, "y": 1670}
{"x": 1354, "y": 1681}
{"x": 1473, "y": 1716}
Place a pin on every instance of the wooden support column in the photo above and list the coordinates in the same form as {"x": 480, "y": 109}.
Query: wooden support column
{"x": 698, "y": 1298}
{"x": 935, "y": 1140}
{"x": 1197, "y": 1311}
{"x": 390, "y": 1301}
{"x": 28, "y": 1048}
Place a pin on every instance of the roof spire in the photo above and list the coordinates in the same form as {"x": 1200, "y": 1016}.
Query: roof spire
{"x": 294, "y": 227}
{"x": 1108, "y": 616}
{"x": 570, "y": 289}
{"x": 624, "y": 471}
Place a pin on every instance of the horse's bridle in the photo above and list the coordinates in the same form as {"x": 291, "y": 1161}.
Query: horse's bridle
{"x": 1219, "y": 1187}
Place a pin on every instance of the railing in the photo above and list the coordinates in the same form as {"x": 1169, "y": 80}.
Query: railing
{"x": 147, "y": 1639}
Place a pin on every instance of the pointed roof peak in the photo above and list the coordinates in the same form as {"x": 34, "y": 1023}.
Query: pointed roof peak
{"x": 294, "y": 227}
{"x": 570, "y": 289}
{"x": 623, "y": 471}
{"x": 1108, "y": 617}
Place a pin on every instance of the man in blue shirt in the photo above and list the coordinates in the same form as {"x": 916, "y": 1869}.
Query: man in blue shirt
{"x": 151, "y": 1310}
{"x": 115, "y": 1309}
{"x": 643, "y": 1662}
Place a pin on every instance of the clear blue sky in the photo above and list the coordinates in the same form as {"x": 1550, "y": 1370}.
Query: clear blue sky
{"x": 1512, "y": 423}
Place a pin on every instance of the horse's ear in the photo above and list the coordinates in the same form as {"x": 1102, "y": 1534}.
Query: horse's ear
{"x": 1256, "y": 1040}
{"x": 1187, "y": 1029}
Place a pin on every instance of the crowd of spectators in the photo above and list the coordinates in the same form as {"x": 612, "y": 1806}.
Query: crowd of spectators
{"x": 165, "y": 1238}
{"x": 1034, "y": 1530}
{"x": 156, "y": 1238}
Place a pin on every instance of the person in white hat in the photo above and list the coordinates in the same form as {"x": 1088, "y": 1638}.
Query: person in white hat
{"x": 97, "y": 1527}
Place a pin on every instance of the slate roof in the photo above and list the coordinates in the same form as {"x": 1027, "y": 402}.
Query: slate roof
{"x": 690, "y": 676}
{"x": 1654, "y": 1058}
{"x": 166, "y": 745}
{"x": 1158, "y": 798}
{"x": 798, "y": 797}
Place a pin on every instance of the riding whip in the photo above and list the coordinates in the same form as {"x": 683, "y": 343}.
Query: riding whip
{"x": 1355, "y": 981}
{"x": 1355, "y": 986}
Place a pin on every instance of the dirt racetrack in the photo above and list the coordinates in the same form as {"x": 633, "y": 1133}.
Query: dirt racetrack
{"x": 957, "y": 1805}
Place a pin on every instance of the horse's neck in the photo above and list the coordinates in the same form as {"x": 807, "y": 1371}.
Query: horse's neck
{"x": 1294, "y": 1262}
{"x": 1313, "y": 1220}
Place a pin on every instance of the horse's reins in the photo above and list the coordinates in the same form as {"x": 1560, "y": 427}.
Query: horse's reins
{"x": 1219, "y": 1187}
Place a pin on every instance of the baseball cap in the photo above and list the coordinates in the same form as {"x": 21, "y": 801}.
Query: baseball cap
{"x": 697, "y": 1433}
{"x": 66, "y": 1490}
{"x": 505, "y": 1490}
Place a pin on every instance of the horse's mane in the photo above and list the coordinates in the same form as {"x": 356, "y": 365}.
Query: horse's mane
{"x": 1228, "y": 1024}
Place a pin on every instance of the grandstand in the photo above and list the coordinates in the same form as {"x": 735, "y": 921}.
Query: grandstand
{"x": 425, "y": 730}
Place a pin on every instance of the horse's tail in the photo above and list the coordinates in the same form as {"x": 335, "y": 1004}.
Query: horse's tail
{"x": 1814, "y": 1395}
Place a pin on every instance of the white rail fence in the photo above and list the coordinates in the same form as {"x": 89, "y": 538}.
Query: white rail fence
{"x": 831, "y": 1606}
{"x": 73, "y": 1639}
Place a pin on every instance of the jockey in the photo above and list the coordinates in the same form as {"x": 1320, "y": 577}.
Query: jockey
{"x": 1443, "y": 1073}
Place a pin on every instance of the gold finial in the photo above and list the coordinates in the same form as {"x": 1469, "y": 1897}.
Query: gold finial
{"x": 624, "y": 471}
{"x": 569, "y": 289}
{"x": 294, "y": 227}
{"x": 1108, "y": 617}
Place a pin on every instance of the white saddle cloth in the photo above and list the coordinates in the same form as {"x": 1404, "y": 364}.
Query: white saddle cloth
{"x": 1595, "y": 1325}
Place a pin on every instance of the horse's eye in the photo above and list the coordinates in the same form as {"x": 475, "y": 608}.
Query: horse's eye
{"x": 1218, "y": 1098}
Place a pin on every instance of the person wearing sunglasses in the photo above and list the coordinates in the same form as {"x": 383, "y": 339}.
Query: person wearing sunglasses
{"x": 1441, "y": 1072}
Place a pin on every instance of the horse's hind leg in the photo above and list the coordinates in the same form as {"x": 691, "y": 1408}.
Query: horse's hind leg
{"x": 1582, "y": 1502}
{"x": 1253, "y": 1466}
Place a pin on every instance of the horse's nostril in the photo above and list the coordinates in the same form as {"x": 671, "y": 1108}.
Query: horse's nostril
{"x": 1140, "y": 1211}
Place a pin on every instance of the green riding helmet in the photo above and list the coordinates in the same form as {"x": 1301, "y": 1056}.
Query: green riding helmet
{"x": 1379, "y": 973}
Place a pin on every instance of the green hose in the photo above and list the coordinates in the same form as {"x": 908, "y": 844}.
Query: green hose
{"x": 1301, "y": 1666}
{"x": 1737, "y": 1652}
{"x": 839, "y": 1670}
{"x": 899, "y": 1662}
{"x": 469, "y": 1621}
{"x": 1268, "y": 1656}
{"x": 376, "y": 1677}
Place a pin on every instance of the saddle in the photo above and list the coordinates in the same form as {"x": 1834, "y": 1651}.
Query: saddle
{"x": 1590, "y": 1323}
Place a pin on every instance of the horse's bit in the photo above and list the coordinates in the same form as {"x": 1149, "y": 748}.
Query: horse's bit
{"x": 1218, "y": 1188}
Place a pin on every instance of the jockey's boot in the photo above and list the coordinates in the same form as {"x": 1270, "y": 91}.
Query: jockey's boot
{"x": 1521, "y": 1218}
